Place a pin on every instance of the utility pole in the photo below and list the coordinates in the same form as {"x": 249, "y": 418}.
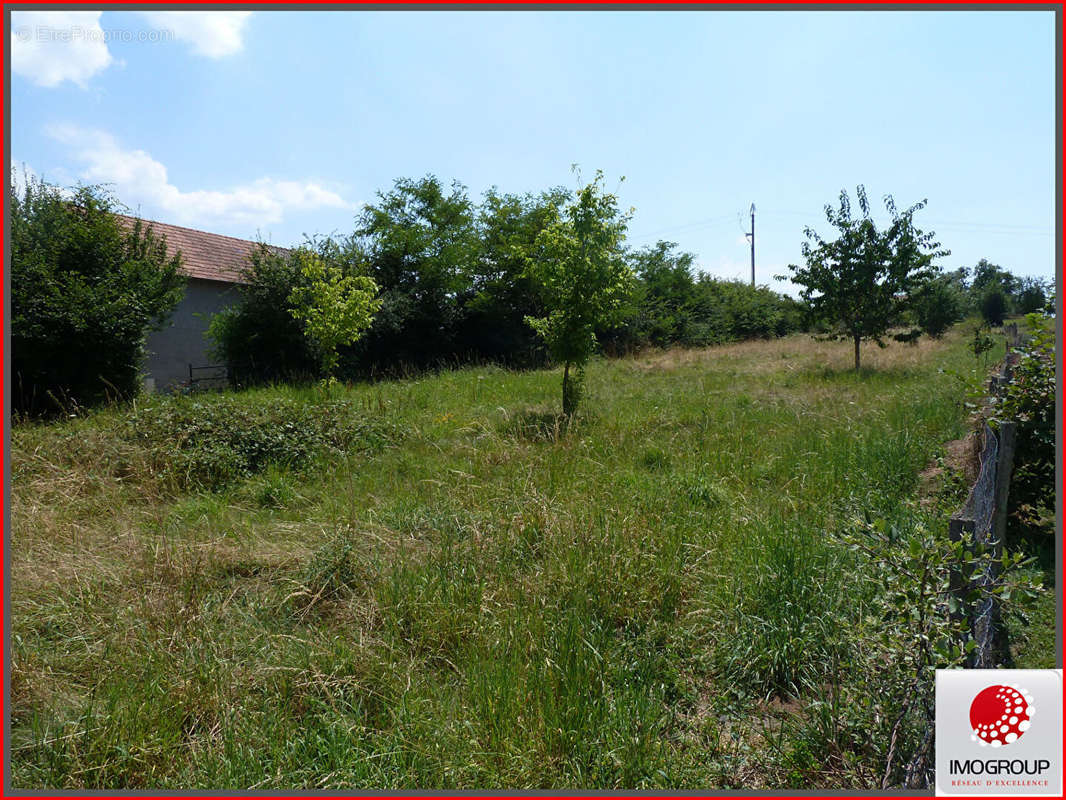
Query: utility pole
{"x": 751, "y": 236}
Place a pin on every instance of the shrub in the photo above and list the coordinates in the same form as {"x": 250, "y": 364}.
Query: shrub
{"x": 672, "y": 305}
{"x": 1031, "y": 297}
{"x": 259, "y": 339}
{"x": 209, "y": 444}
{"x": 419, "y": 242}
{"x": 937, "y": 306}
{"x": 85, "y": 290}
{"x": 993, "y": 306}
{"x": 1029, "y": 400}
{"x": 912, "y": 623}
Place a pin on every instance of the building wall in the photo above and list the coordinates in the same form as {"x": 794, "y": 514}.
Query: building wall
{"x": 182, "y": 341}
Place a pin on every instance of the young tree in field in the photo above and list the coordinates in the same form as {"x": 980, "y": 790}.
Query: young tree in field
{"x": 334, "y": 308}
{"x": 862, "y": 282}
{"x": 580, "y": 265}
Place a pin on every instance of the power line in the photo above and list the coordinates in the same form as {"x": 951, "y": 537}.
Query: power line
{"x": 990, "y": 227}
{"x": 685, "y": 226}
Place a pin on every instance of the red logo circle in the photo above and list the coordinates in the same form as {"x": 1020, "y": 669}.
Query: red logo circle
{"x": 1000, "y": 714}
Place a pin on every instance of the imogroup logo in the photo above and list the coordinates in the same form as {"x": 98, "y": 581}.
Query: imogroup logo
{"x": 1000, "y": 714}
{"x": 989, "y": 738}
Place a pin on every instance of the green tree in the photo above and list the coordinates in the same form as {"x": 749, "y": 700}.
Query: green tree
{"x": 993, "y": 305}
{"x": 938, "y": 305}
{"x": 1031, "y": 296}
{"x": 579, "y": 263}
{"x": 86, "y": 287}
{"x": 986, "y": 274}
{"x": 258, "y": 337}
{"x": 664, "y": 293}
{"x": 864, "y": 281}
{"x": 500, "y": 295}
{"x": 420, "y": 244}
{"x": 335, "y": 308}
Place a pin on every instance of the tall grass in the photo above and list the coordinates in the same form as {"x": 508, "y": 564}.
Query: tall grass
{"x": 482, "y": 596}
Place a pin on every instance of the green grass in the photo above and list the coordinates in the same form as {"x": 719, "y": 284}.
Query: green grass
{"x": 451, "y": 587}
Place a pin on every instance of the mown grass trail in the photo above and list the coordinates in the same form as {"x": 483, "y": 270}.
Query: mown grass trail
{"x": 478, "y": 599}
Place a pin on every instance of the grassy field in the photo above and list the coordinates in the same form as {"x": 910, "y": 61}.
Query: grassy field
{"x": 460, "y": 591}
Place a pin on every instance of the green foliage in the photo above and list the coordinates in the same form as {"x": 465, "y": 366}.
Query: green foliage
{"x": 864, "y": 281}
{"x": 993, "y": 305}
{"x": 987, "y": 275}
{"x": 579, "y": 264}
{"x": 919, "y": 596}
{"x": 673, "y": 305}
{"x": 1031, "y": 296}
{"x": 982, "y": 342}
{"x": 212, "y": 443}
{"x": 85, "y": 290}
{"x": 456, "y": 286}
{"x": 938, "y": 305}
{"x": 1029, "y": 400}
{"x": 995, "y": 292}
{"x": 334, "y": 308}
{"x": 501, "y": 294}
{"x": 419, "y": 242}
{"x": 258, "y": 338}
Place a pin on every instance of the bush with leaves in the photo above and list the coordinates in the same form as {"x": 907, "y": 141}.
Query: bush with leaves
{"x": 334, "y": 308}
{"x": 938, "y": 305}
{"x": 213, "y": 442}
{"x": 419, "y": 241}
{"x": 918, "y": 586}
{"x": 500, "y": 294}
{"x": 258, "y": 338}
{"x": 671, "y": 304}
{"x": 993, "y": 306}
{"x": 1031, "y": 296}
{"x": 86, "y": 287}
{"x": 1029, "y": 401}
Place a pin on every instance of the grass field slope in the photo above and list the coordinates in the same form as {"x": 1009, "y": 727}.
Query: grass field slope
{"x": 437, "y": 582}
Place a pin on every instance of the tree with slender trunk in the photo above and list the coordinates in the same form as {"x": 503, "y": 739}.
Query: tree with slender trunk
{"x": 863, "y": 282}
{"x": 579, "y": 265}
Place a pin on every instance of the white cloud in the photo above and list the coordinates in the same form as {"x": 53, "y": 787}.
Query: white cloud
{"x": 210, "y": 33}
{"x": 138, "y": 179}
{"x": 50, "y": 47}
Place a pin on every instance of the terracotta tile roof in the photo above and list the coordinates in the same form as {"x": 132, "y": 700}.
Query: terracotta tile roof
{"x": 209, "y": 256}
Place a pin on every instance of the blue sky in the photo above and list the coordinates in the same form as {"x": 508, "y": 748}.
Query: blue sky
{"x": 280, "y": 123}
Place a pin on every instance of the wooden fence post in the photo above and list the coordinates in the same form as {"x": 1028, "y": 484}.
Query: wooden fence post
{"x": 1004, "y": 467}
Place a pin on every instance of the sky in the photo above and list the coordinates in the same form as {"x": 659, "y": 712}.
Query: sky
{"x": 277, "y": 124}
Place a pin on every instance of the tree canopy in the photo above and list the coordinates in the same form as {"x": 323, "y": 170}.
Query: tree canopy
{"x": 85, "y": 290}
{"x": 862, "y": 282}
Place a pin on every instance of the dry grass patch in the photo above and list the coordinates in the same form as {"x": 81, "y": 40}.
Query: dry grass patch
{"x": 793, "y": 354}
